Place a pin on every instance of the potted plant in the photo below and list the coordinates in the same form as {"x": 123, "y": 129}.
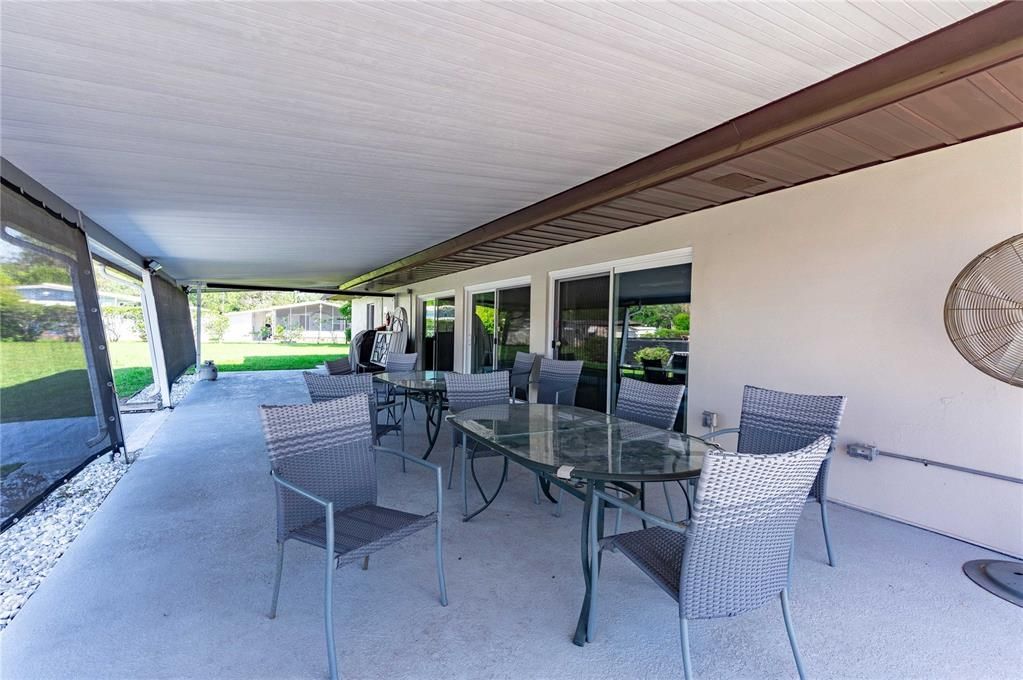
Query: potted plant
{"x": 659, "y": 354}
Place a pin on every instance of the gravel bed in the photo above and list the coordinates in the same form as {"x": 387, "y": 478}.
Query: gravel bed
{"x": 30, "y": 548}
{"x": 179, "y": 390}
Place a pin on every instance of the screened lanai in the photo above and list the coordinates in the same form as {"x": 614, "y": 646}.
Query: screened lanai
{"x": 683, "y": 339}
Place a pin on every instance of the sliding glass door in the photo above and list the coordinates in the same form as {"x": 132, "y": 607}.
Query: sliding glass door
{"x": 438, "y": 334}
{"x": 651, "y": 328}
{"x": 500, "y": 328}
{"x": 481, "y": 357}
{"x": 511, "y": 328}
{"x": 624, "y": 323}
{"x": 581, "y": 323}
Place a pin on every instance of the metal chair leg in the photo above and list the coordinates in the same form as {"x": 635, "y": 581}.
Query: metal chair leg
{"x": 277, "y": 580}
{"x": 440, "y": 543}
{"x": 365, "y": 563}
{"x": 560, "y": 505}
{"x": 667, "y": 499}
{"x": 792, "y": 634}
{"x": 536, "y": 491}
{"x": 827, "y": 530}
{"x": 594, "y": 546}
{"x": 328, "y": 597}
{"x": 465, "y": 487}
{"x": 687, "y": 662}
{"x": 451, "y": 470}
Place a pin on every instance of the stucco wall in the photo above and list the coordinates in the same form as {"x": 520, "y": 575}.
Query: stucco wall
{"x": 837, "y": 287}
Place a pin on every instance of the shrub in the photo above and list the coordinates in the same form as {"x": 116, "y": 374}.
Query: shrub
{"x": 681, "y": 323}
{"x": 293, "y": 334}
{"x": 660, "y": 354}
{"x": 216, "y": 326}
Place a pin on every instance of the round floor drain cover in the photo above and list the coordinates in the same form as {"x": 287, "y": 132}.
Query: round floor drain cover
{"x": 1004, "y": 579}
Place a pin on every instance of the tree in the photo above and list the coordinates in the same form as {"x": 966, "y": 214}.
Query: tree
{"x": 216, "y": 326}
{"x": 132, "y": 315}
{"x": 486, "y": 316}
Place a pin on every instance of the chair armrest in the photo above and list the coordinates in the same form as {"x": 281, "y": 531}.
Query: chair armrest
{"x": 299, "y": 490}
{"x": 426, "y": 464}
{"x": 407, "y": 456}
{"x": 625, "y": 506}
{"x": 718, "y": 433}
{"x": 558, "y": 393}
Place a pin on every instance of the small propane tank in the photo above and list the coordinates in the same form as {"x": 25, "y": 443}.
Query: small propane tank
{"x": 208, "y": 370}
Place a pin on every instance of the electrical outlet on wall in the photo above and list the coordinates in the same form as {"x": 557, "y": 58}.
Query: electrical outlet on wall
{"x": 710, "y": 420}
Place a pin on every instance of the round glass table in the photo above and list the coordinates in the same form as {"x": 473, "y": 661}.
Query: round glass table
{"x": 426, "y": 387}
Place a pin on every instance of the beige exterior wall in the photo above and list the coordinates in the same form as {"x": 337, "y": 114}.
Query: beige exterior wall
{"x": 837, "y": 287}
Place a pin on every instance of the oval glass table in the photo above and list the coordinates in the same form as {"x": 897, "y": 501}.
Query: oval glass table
{"x": 426, "y": 387}
{"x": 572, "y": 447}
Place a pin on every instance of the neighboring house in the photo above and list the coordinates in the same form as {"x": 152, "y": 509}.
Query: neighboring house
{"x": 63, "y": 294}
{"x": 317, "y": 321}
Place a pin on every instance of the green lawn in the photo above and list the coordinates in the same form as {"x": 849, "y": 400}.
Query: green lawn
{"x": 43, "y": 379}
{"x": 132, "y": 372}
{"x": 49, "y": 377}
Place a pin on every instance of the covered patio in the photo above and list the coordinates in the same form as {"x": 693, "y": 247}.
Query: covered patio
{"x": 592, "y": 240}
{"x": 173, "y": 576}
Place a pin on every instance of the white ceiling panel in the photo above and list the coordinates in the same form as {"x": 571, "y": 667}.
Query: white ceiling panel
{"x": 305, "y": 143}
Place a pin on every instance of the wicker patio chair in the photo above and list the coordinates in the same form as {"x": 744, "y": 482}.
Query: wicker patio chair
{"x": 327, "y": 387}
{"x": 388, "y": 396}
{"x": 773, "y": 422}
{"x": 323, "y": 464}
{"x": 465, "y": 391}
{"x": 651, "y": 404}
{"x": 520, "y": 374}
{"x": 342, "y": 366}
{"x": 558, "y": 381}
{"x": 735, "y": 553}
{"x": 556, "y": 384}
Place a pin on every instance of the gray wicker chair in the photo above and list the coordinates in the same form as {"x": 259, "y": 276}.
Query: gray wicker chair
{"x": 651, "y": 404}
{"x": 324, "y": 387}
{"x": 327, "y": 387}
{"x": 465, "y": 391}
{"x": 397, "y": 363}
{"x": 735, "y": 554}
{"x": 521, "y": 372}
{"x": 401, "y": 363}
{"x": 773, "y": 422}
{"x": 343, "y": 366}
{"x": 558, "y": 381}
{"x": 323, "y": 464}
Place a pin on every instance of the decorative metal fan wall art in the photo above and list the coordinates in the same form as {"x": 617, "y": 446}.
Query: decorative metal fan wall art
{"x": 984, "y": 311}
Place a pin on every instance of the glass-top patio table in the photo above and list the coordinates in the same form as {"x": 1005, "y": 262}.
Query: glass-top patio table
{"x": 569, "y": 445}
{"x": 426, "y": 387}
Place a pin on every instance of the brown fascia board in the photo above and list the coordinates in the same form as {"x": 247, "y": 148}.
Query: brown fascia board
{"x": 978, "y": 42}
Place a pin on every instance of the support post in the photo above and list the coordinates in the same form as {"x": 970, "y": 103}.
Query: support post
{"x": 198, "y": 325}
{"x": 152, "y": 322}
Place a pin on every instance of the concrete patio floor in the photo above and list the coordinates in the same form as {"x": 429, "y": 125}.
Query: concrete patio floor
{"x": 172, "y": 579}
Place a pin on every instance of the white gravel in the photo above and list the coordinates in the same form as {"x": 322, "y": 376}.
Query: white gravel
{"x": 30, "y": 548}
{"x": 179, "y": 390}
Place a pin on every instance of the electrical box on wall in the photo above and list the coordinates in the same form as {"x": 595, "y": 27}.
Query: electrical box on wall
{"x": 865, "y": 451}
{"x": 710, "y": 420}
